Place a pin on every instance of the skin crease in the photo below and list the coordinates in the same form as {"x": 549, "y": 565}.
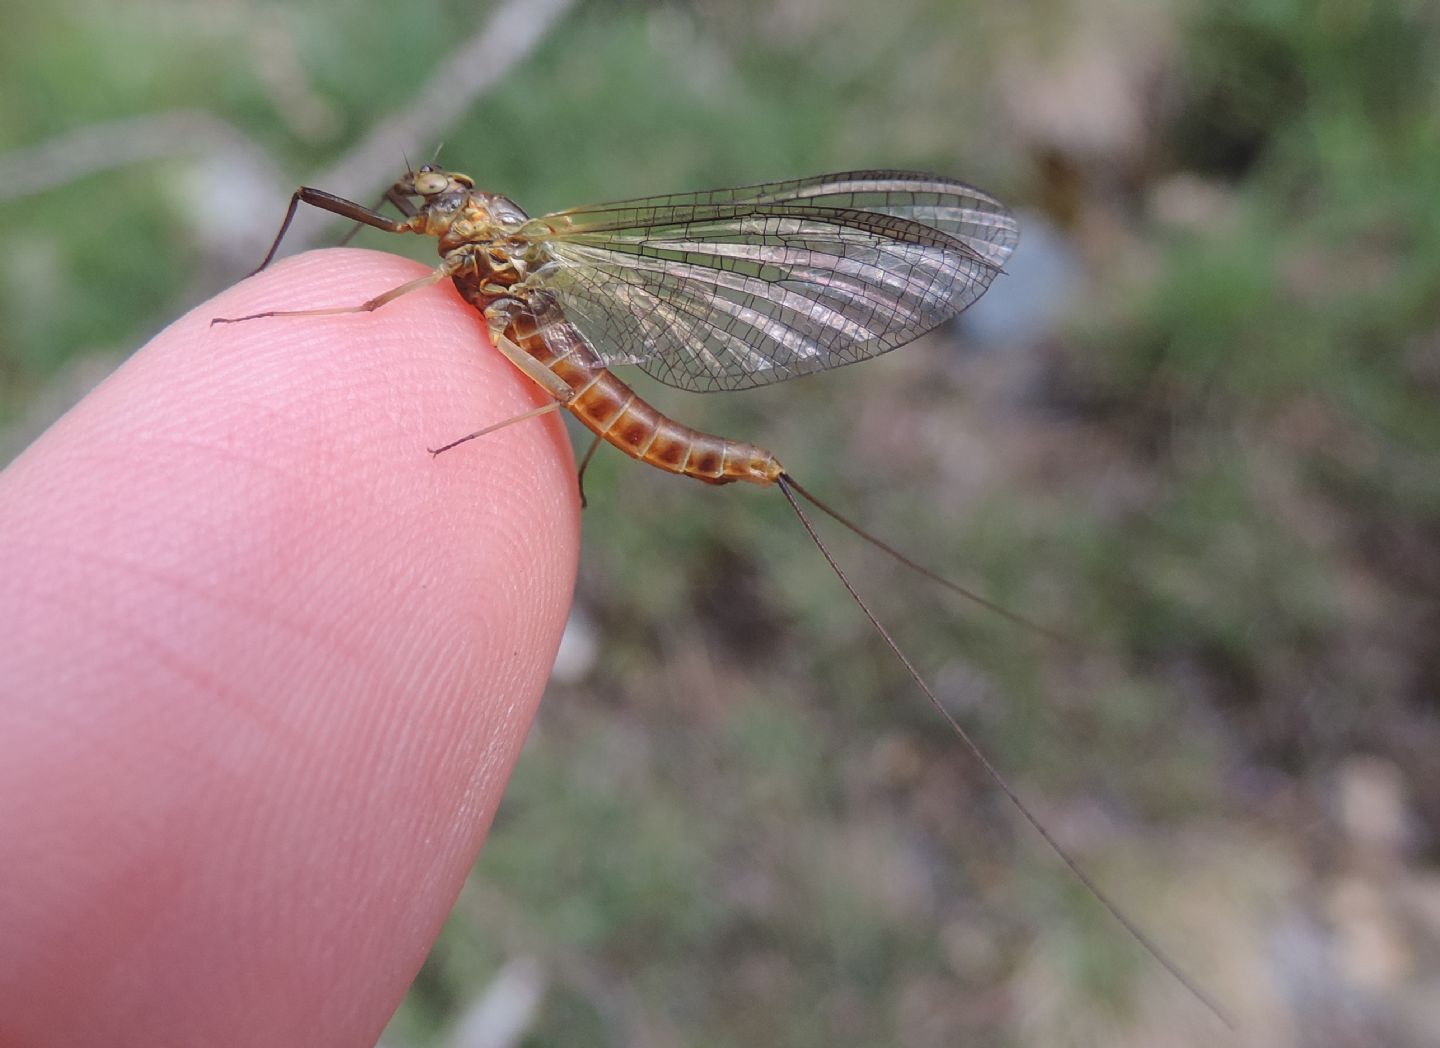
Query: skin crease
{"x": 267, "y": 665}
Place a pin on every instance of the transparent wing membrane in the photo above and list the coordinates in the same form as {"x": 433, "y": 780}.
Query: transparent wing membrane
{"x": 735, "y": 288}
{"x": 960, "y": 210}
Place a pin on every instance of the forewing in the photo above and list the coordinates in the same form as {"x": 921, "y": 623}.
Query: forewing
{"x": 971, "y": 215}
{"x": 736, "y": 288}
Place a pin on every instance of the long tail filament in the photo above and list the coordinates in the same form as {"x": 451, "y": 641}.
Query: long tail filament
{"x": 789, "y": 488}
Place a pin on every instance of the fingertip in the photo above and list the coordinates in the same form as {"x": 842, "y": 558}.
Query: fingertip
{"x": 273, "y": 653}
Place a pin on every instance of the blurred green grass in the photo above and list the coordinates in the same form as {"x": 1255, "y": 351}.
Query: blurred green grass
{"x": 1220, "y": 470}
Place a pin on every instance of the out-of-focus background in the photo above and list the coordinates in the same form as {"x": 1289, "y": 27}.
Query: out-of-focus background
{"x": 1197, "y": 427}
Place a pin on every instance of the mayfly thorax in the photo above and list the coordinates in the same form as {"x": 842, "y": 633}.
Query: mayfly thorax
{"x": 721, "y": 290}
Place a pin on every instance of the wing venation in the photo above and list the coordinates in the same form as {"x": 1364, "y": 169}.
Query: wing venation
{"x": 735, "y": 288}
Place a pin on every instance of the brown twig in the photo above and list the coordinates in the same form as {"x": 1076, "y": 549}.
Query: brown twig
{"x": 90, "y": 150}
{"x": 509, "y": 36}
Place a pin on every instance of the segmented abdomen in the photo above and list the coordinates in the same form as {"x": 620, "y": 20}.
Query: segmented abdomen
{"x": 617, "y": 414}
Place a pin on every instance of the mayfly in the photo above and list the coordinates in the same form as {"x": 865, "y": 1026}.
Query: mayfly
{"x": 721, "y": 290}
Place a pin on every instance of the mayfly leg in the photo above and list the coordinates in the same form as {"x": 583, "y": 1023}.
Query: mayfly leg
{"x": 391, "y": 197}
{"x": 336, "y": 205}
{"x": 543, "y": 409}
{"x": 441, "y": 272}
{"x": 584, "y": 465}
{"x": 363, "y": 215}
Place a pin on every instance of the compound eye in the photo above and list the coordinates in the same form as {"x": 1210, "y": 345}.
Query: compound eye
{"x": 428, "y": 183}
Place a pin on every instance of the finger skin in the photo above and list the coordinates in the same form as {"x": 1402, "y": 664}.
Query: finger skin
{"x": 267, "y": 665}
